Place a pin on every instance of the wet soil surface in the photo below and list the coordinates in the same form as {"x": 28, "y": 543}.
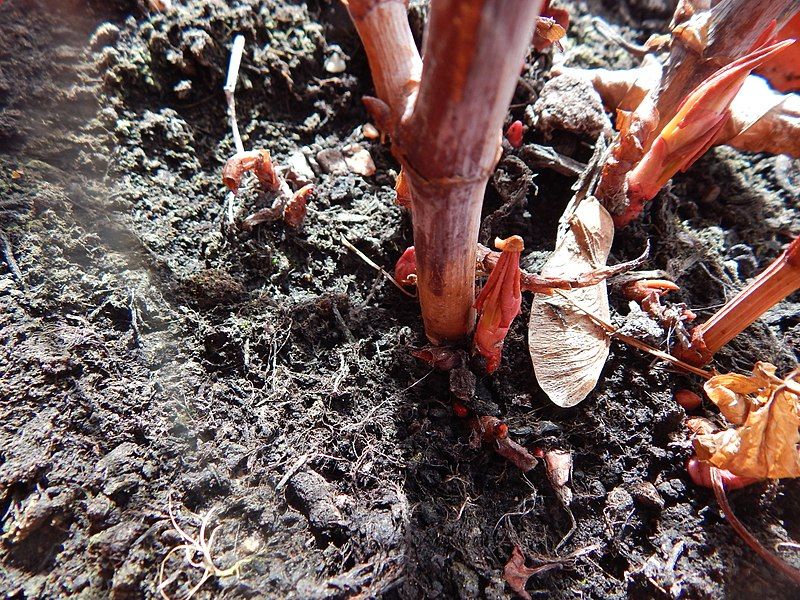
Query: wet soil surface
{"x": 161, "y": 364}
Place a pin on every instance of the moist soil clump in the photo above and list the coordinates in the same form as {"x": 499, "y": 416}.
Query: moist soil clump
{"x": 161, "y": 366}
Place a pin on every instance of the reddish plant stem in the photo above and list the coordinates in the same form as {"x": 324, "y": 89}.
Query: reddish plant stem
{"x": 775, "y": 562}
{"x": 450, "y": 145}
{"x": 777, "y": 281}
{"x": 393, "y": 58}
{"x": 733, "y": 28}
{"x": 447, "y": 137}
{"x": 697, "y": 49}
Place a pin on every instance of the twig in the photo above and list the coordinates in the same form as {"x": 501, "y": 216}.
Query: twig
{"x": 631, "y": 341}
{"x": 541, "y": 284}
{"x": 608, "y": 32}
{"x": 290, "y": 473}
{"x": 538, "y": 156}
{"x": 375, "y": 266}
{"x": 230, "y": 89}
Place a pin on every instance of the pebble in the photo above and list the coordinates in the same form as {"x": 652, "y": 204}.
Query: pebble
{"x": 299, "y": 167}
{"x": 335, "y": 62}
{"x": 358, "y": 160}
{"x": 370, "y": 132}
{"x": 332, "y": 161}
{"x": 646, "y": 494}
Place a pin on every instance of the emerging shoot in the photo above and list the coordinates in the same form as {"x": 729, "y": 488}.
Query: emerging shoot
{"x": 499, "y": 302}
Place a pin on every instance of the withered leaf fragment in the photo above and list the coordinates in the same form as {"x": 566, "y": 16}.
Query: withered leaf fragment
{"x": 551, "y": 26}
{"x": 257, "y": 161}
{"x": 295, "y": 210}
{"x": 765, "y": 411}
{"x": 558, "y": 466}
{"x": 516, "y": 573}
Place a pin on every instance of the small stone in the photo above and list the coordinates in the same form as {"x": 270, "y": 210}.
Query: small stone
{"x": 619, "y": 500}
{"x": 370, "y": 132}
{"x": 646, "y": 494}
{"x": 335, "y": 62}
{"x": 358, "y": 160}
{"x": 332, "y": 161}
{"x": 105, "y": 35}
{"x": 672, "y": 489}
{"x": 569, "y": 103}
{"x": 299, "y": 171}
{"x": 183, "y": 88}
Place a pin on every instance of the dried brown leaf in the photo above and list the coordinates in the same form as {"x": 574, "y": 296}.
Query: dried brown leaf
{"x": 568, "y": 349}
{"x": 767, "y": 410}
{"x": 517, "y": 574}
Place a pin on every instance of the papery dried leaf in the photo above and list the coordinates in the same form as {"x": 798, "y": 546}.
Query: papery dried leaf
{"x": 730, "y": 391}
{"x": 568, "y": 349}
{"x": 765, "y": 445}
{"x": 558, "y": 467}
{"x": 551, "y": 26}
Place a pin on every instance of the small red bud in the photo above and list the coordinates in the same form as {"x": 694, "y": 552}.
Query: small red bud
{"x": 499, "y": 302}
{"x": 514, "y": 134}
{"x": 688, "y": 400}
{"x": 460, "y": 410}
{"x": 405, "y": 271}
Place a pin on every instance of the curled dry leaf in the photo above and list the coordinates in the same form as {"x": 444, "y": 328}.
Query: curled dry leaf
{"x": 766, "y": 411}
{"x": 257, "y": 161}
{"x": 295, "y": 210}
{"x": 568, "y": 349}
{"x": 558, "y": 466}
{"x": 551, "y": 26}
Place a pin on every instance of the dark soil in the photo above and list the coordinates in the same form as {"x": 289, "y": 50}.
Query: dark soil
{"x": 157, "y": 359}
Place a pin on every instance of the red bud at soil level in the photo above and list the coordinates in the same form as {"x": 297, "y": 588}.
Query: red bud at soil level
{"x": 405, "y": 271}
{"x": 514, "y": 134}
{"x": 499, "y": 302}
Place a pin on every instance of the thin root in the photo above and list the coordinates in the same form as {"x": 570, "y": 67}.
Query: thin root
{"x": 192, "y": 547}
